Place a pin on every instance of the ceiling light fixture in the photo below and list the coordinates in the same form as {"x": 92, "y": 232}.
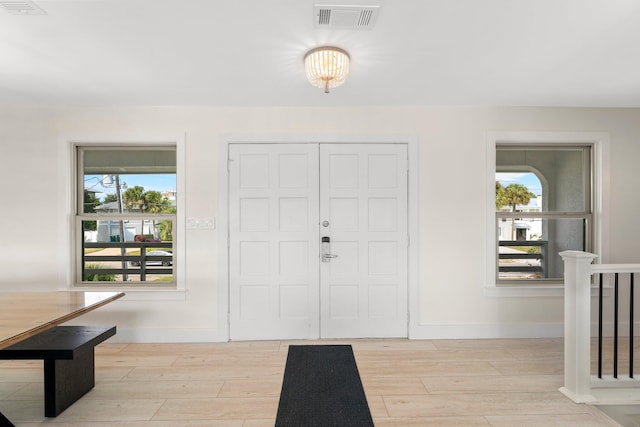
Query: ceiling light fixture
{"x": 327, "y": 67}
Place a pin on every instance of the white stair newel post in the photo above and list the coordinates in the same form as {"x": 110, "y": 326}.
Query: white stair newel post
{"x": 577, "y": 325}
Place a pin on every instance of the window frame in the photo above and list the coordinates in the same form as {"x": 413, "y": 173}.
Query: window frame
{"x": 78, "y": 215}
{"x": 599, "y": 143}
{"x": 586, "y": 215}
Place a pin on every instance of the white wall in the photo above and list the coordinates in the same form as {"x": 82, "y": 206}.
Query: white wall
{"x": 34, "y": 163}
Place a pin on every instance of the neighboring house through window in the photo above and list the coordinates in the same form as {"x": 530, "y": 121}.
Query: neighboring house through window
{"x": 125, "y": 215}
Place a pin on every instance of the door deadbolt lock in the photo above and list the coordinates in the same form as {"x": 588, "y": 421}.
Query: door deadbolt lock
{"x": 325, "y": 223}
{"x": 326, "y": 249}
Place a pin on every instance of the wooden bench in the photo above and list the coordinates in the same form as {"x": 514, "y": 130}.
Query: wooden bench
{"x": 68, "y": 354}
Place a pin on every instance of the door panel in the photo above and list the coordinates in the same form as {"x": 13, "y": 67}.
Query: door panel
{"x": 363, "y": 193}
{"x": 273, "y": 245}
{"x": 283, "y": 199}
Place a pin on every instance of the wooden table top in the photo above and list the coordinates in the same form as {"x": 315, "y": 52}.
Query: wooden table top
{"x": 23, "y": 314}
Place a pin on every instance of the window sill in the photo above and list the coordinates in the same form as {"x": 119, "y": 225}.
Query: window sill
{"x": 531, "y": 291}
{"x": 134, "y": 294}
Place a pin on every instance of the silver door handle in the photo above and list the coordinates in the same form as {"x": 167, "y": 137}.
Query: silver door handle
{"x": 327, "y": 257}
{"x": 326, "y": 248}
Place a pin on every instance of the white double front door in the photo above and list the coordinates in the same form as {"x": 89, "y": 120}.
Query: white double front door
{"x": 317, "y": 241}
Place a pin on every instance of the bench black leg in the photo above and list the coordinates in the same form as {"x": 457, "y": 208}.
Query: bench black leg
{"x": 66, "y": 381}
{"x": 4, "y": 421}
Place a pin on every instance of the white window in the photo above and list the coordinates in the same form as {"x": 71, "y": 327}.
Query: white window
{"x": 125, "y": 222}
{"x": 544, "y": 205}
{"x": 572, "y": 212}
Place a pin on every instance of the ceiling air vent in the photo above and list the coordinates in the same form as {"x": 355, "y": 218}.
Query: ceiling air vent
{"x": 21, "y": 8}
{"x": 345, "y": 17}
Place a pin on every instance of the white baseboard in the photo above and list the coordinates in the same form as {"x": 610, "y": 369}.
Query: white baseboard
{"x": 427, "y": 331}
{"x": 488, "y": 331}
{"x": 142, "y": 335}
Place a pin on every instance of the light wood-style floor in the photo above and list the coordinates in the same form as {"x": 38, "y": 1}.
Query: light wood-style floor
{"x": 408, "y": 383}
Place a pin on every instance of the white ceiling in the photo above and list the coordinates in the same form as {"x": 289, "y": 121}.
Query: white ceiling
{"x": 249, "y": 53}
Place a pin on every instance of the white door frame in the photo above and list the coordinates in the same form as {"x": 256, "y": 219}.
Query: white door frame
{"x": 222, "y": 283}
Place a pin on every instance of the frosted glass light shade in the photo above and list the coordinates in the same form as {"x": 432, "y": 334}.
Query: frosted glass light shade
{"x": 326, "y": 67}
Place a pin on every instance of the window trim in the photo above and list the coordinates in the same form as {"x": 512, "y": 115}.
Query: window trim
{"x": 586, "y": 151}
{"x": 174, "y": 290}
{"x": 599, "y": 141}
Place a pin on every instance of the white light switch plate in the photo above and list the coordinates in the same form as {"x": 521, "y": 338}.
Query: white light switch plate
{"x": 201, "y": 223}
